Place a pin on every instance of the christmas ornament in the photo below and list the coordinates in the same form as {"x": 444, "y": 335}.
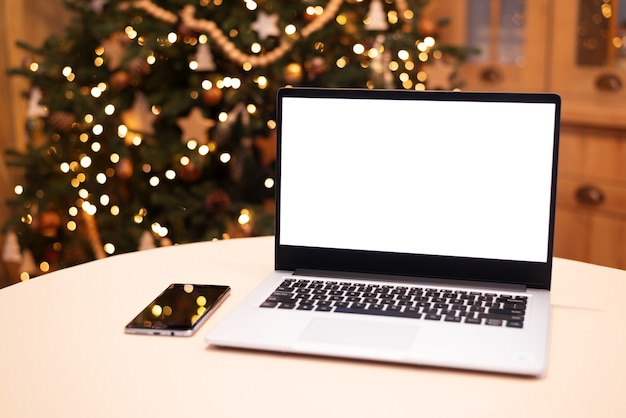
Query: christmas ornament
{"x": 98, "y": 5}
{"x": 195, "y": 127}
{"x": 266, "y": 146}
{"x": 438, "y": 73}
{"x": 315, "y": 67}
{"x": 124, "y": 169}
{"x": 218, "y": 201}
{"x": 266, "y": 25}
{"x": 62, "y": 121}
{"x": 376, "y": 18}
{"x": 204, "y": 58}
{"x": 49, "y": 223}
{"x": 146, "y": 241}
{"x": 120, "y": 80}
{"x": 114, "y": 50}
{"x": 35, "y": 109}
{"x": 189, "y": 172}
{"x": 293, "y": 73}
{"x": 138, "y": 67}
{"x": 212, "y": 96}
{"x": 427, "y": 27}
{"x": 11, "y": 252}
{"x": 139, "y": 118}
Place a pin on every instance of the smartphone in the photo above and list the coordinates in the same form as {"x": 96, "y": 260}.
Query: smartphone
{"x": 179, "y": 310}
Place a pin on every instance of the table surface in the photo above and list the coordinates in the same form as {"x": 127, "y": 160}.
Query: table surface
{"x": 64, "y": 353}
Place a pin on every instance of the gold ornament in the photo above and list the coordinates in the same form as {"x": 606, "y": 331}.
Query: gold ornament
{"x": 293, "y": 73}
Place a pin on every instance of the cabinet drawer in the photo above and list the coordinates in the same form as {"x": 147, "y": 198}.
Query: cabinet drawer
{"x": 599, "y": 196}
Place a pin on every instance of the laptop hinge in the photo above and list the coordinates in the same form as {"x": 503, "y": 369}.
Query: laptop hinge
{"x": 410, "y": 279}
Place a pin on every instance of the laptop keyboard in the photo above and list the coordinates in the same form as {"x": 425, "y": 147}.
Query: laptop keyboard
{"x": 427, "y": 303}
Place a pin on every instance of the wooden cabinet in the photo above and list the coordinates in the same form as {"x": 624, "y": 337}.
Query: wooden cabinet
{"x": 576, "y": 48}
{"x": 510, "y": 36}
{"x": 591, "y": 198}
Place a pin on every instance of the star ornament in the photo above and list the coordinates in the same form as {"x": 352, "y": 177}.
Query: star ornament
{"x": 195, "y": 127}
{"x": 266, "y": 25}
{"x": 438, "y": 74}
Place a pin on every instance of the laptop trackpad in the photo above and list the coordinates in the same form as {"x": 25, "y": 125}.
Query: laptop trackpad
{"x": 359, "y": 332}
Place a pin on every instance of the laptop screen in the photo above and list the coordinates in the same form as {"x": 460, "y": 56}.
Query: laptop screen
{"x": 429, "y": 173}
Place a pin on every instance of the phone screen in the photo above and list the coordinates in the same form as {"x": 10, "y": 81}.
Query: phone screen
{"x": 179, "y": 310}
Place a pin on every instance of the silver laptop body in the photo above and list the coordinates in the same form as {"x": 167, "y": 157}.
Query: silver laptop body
{"x": 442, "y": 201}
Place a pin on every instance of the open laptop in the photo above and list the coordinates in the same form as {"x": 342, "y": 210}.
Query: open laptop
{"x": 411, "y": 227}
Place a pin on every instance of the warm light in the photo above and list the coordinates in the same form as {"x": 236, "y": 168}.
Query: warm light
{"x": 85, "y": 161}
{"x": 44, "y": 266}
{"x": 358, "y": 49}
{"x": 71, "y": 226}
{"x": 122, "y": 131}
{"x": 67, "y": 71}
{"x": 290, "y": 29}
{"x": 184, "y": 160}
{"x": 158, "y": 229}
{"x": 115, "y": 210}
{"x": 130, "y": 32}
{"x": 207, "y": 85}
{"x": 225, "y": 157}
{"x": 170, "y": 174}
{"x": 154, "y": 181}
{"x": 222, "y": 117}
{"x": 269, "y": 183}
{"x": 73, "y": 211}
{"x": 109, "y": 109}
{"x": 201, "y": 301}
{"x": 97, "y": 129}
{"x": 203, "y": 150}
{"x": 255, "y": 47}
{"x": 342, "y": 62}
{"x": 101, "y": 178}
{"x": 109, "y": 248}
{"x": 192, "y": 144}
{"x": 403, "y": 54}
{"x": 244, "y": 218}
{"x": 104, "y": 199}
{"x": 24, "y": 276}
{"x": 96, "y": 146}
{"x": 115, "y": 158}
{"x": 251, "y": 108}
{"x": 96, "y": 92}
{"x": 19, "y": 189}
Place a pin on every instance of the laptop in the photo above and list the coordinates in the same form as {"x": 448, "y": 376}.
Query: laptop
{"x": 412, "y": 227}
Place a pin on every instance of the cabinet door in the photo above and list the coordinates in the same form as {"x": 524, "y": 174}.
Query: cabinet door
{"x": 509, "y": 35}
{"x": 589, "y": 60}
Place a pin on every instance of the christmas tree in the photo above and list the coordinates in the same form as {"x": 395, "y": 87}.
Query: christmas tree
{"x": 151, "y": 122}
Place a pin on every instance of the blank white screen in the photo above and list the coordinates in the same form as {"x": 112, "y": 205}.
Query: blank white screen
{"x": 470, "y": 179}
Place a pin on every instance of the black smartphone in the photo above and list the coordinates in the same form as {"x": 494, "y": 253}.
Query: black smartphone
{"x": 179, "y": 310}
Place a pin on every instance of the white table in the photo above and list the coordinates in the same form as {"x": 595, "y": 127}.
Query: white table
{"x": 63, "y": 352}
